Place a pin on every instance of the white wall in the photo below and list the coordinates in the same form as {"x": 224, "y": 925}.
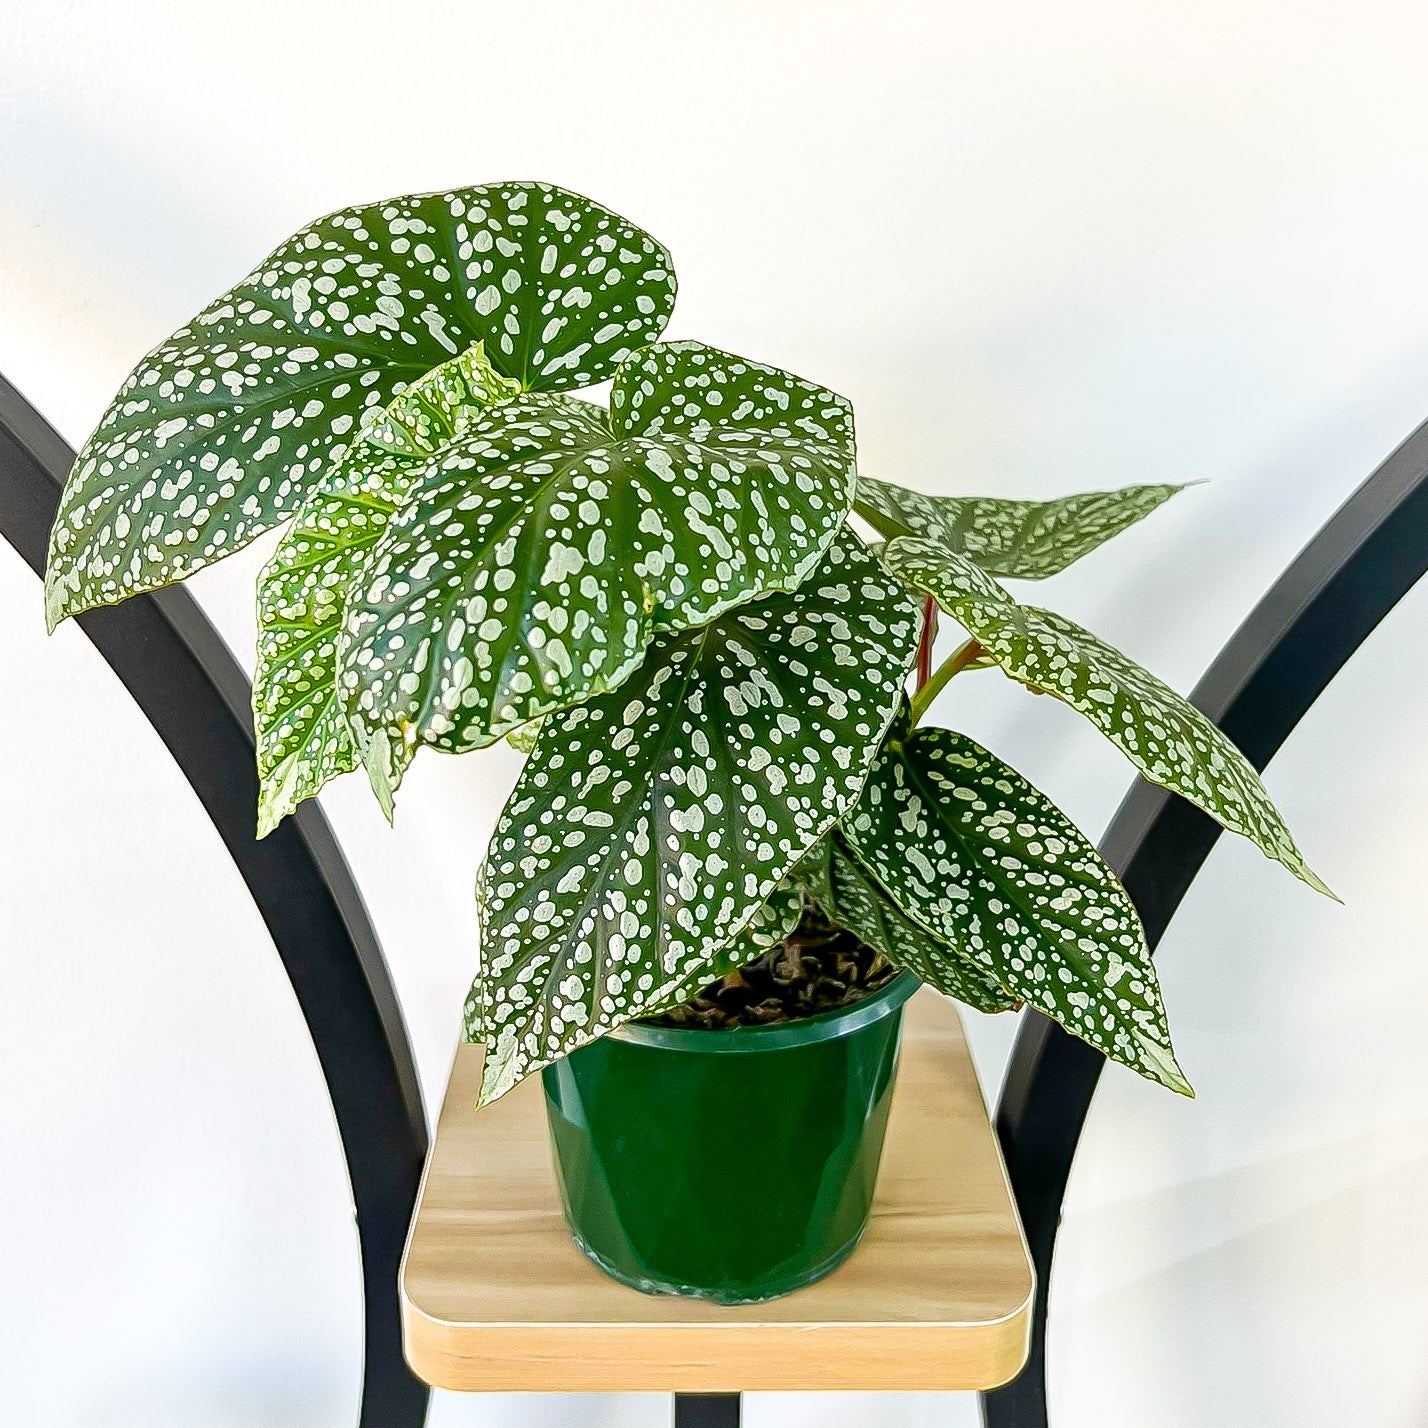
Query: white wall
{"x": 1042, "y": 247}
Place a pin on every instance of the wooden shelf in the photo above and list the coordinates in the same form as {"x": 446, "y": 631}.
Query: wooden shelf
{"x": 495, "y": 1296}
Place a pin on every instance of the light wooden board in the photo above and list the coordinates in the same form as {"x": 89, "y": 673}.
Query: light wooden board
{"x": 495, "y": 1296}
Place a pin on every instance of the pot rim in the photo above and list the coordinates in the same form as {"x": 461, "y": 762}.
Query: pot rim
{"x": 841, "y": 1021}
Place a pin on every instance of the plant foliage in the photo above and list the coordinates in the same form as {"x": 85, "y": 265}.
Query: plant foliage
{"x": 219, "y": 433}
{"x": 302, "y": 733}
{"x": 983, "y": 862}
{"x": 1170, "y": 741}
{"x": 652, "y": 823}
{"x": 540, "y": 552}
{"x": 1026, "y": 539}
{"x": 853, "y": 897}
{"x": 657, "y": 598}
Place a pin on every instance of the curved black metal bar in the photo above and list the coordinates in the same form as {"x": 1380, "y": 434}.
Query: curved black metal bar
{"x": 1364, "y": 560}
{"x": 194, "y": 694}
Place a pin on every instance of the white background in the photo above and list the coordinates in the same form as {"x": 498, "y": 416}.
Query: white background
{"x": 1043, "y": 247}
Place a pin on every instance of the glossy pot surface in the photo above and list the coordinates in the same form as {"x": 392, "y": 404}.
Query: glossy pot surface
{"x": 728, "y": 1165}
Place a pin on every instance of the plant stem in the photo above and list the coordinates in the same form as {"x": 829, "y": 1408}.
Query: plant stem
{"x": 957, "y": 661}
{"x": 924, "y": 648}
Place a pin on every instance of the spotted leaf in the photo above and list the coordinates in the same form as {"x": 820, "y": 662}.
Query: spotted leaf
{"x": 770, "y": 925}
{"x": 1026, "y": 539}
{"x": 540, "y": 553}
{"x": 301, "y": 730}
{"x": 524, "y": 738}
{"x": 776, "y": 919}
{"x": 978, "y": 858}
{"x": 652, "y": 824}
{"x": 854, "y": 899}
{"x": 1170, "y": 741}
{"x": 220, "y": 432}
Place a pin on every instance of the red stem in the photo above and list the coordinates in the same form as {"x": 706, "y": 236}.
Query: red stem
{"x": 924, "y": 650}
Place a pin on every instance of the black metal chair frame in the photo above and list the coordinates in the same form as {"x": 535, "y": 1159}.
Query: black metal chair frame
{"x": 183, "y": 677}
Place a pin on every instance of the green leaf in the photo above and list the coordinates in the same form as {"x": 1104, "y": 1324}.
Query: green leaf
{"x": 301, "y": 730}
{"x": 219, "y": 433}
{"x": 651, "y": 824}
{"x": 1170, "y": 741}
{"x": 853, "y": 899}
{"x": 771, "y": 924}
{"x": 540, "y": 553}
{"x": 524, "y": 738}
{"x": 1026, "y": 539}
{"x": 977, "y": 857}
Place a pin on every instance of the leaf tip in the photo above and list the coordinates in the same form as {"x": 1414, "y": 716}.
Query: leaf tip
{"x": 500, "y": 1069}
{"x": 1320, "y": 886}
{"x": 377, "y": 760}
{"x": 1294, "y": 861}
{"x": 272, "y": 806}
{"x": 1159, "y": 1063}
{"x": 55, "y": 611}
{"x": 1175, "y": 1080}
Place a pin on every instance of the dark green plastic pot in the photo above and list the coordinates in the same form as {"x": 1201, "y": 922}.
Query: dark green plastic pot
{"x": 728, "y": 1165}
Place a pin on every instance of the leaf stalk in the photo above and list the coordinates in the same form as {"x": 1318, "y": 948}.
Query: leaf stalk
{"x": 929, "y": 689}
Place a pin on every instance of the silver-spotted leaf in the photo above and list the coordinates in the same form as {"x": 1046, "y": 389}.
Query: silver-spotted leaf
{"x": 852, "y": 898}
{"x": 986, "y": 863}
{"x": 302, "y": 738}
{"x": 524, "y": 738}
{"x": 769, "y": 926}
{"x": 652, "y": 823}
{"x": 219, "y": 433}
{"x": 1170, "y": 741}
{"x": 540, "y": 553}
{"x": 1026, "y": 539}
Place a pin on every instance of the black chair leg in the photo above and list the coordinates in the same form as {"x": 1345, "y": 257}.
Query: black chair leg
{"x": 706, "y": 1410}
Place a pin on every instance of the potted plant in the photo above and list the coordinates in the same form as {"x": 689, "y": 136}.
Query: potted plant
{"x": 736, "y": 845}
